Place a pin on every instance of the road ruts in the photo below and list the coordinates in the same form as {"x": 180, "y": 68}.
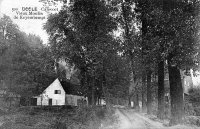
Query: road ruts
{"x": 133, "y": 120}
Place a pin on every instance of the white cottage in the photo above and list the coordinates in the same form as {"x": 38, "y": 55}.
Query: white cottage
{"x": 52, "y": 95}
{"x": 55, "y": 94}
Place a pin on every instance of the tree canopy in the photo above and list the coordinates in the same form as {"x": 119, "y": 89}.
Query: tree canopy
{"x": 26, "y": 65}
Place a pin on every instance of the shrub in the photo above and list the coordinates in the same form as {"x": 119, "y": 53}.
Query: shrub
{"x": 192, "y": 120}
{"x": 83, "y": 118}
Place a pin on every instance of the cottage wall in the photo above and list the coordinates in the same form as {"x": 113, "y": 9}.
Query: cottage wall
{"x": 49, "y": 93}
{"x": 75, "y": 100}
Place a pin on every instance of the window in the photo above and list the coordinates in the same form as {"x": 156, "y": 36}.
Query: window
{"x": 57, "y": 92}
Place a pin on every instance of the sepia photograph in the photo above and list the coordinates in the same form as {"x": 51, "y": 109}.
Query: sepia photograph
{"x": 99, "y": 64}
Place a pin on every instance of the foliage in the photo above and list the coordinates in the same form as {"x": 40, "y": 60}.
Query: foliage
{"x": 26, "y": 64}
{"x": 171, "y": 31}
{"x": 82, "y": 34}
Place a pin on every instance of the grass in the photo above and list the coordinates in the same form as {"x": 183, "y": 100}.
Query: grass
{"x": 58, "y": 118}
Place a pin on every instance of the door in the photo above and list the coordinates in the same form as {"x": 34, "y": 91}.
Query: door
{"x": 50, "y": 102}
{"x": 33, "y": 101}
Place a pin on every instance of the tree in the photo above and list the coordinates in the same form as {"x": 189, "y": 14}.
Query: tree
{"x": 147, "y": 46}
{"x": 83, "y": 37}
{"x": 182, "y": 49}
{"x": 22, "y": 64}
{"x": 130, "y": 39}
{"x": 151, "y": 18}
{"x": 161, "y": 90}
{"x": 174, "y": 26}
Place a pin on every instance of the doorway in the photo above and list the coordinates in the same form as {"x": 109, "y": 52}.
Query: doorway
{"x": 33, "y": 101}
{"x": 50, "y": 102}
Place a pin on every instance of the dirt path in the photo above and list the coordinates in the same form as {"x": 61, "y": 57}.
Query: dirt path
{"x": 129, "y": 119}
{"x": 133, "y": 120}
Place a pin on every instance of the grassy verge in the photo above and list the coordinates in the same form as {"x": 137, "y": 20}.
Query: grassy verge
{"x": 59, "y": 118}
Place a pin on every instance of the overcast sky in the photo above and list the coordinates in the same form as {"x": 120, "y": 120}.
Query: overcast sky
{"x": 31, "y": 25}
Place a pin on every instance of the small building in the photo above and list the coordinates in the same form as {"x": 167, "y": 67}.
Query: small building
{"x": 56, "y": 94}
{"x": 8, "y": 98}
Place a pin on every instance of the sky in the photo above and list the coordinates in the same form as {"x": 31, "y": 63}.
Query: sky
{"x": 34, "y": 26}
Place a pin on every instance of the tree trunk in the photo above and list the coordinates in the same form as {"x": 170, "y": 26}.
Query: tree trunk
{"x": 93, "y": 97}
{"x": 161, "y": 90}
{"x": 129, "y": 100}
{"x": 104, "y": 89}
{"x": 41, "y": 99}
{"x": 137, "y": 102}
{"x": 143, "y": 103}
{"x": 176, "y": 95}
{"x": 90, "y": 90}
{"x": 143, "y": 92}
{"x": 149, "y": 98}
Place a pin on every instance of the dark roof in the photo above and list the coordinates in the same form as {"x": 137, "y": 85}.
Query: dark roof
{"x": 69, "y": 87}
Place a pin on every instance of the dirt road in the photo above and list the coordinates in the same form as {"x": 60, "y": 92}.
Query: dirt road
{"x": 129, "y": 119}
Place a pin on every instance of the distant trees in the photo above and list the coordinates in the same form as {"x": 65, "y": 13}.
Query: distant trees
{"x": 26, "y": 64}
{"x": 130, "y": 39}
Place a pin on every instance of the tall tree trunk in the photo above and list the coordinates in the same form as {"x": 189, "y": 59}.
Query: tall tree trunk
{"x": 93, "y": 97}
{"x": 176, "y": 89}
{"x": 90, "y": 90}
{"x": 129, "y": 43}
{"x": 145, "y": 105}
{"x": 143, "y": 91}
{"x": 176, "y": 95}
{"x": 161, "y": 90}
{"x": 129, "y": 100}
{"x": 149, "y": 96}
{"x": 41, "y": 99}
{"x": 137, "y": 102}
{"x": 104, "y": 87}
